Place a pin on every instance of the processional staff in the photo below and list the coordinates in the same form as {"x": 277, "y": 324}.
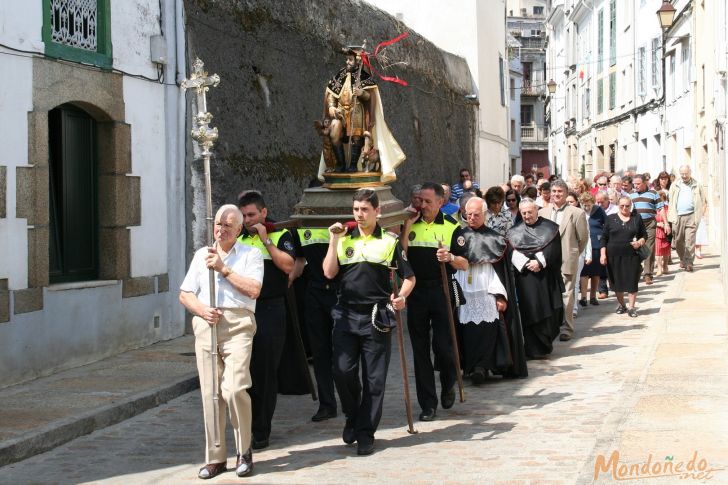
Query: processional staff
{"x": 206, "y": 136}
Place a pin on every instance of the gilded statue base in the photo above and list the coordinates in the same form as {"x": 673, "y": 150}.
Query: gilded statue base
{"x": 352, "y": 180}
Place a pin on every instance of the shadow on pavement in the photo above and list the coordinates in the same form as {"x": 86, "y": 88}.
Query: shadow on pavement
{"x": 615, "y": 329}
{"x": 592, "y": 349}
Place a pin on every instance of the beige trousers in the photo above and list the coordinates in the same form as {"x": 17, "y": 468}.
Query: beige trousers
{"x": 684, "y": 237}
{"x": 569, "y": 297}
{"x": 235, "y": 332}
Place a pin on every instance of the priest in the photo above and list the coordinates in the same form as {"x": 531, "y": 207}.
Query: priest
{"x": 490, "y": 328}
{"x": 536, "y": 258}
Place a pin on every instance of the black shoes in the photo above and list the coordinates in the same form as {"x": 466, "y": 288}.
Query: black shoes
{"x": 447, "y": 398}
{"x": 259, "y": 444}
{"x": 593, "y": 301}
{"x": 244, "y": 465}
{"x": 427, "y": 415}
{"x": 479, "y": 376}
{"x": 582, "y": 302}
{"x": 365, "y": 448}
{"x": 211, "y": 470}
{"x": 632, "y": 312}
{"x": 564, "y": 337}
{"x": 621, "y": 309}
{"x": 349, "y": 434}
{"x": 323, "y": 415}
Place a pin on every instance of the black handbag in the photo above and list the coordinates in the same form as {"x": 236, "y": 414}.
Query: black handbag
{"x": 643, "y": 252}
{"x": 457, "y": 297}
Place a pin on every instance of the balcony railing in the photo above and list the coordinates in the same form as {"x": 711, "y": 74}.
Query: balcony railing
{"x": 533, "y": 133}
{"x": 533, "y": 88}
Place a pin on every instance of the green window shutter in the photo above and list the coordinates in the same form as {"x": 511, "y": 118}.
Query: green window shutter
{"x": 612, "y": 90}
{"x": 600, "y": 96}
{"x": 75, "y": 31}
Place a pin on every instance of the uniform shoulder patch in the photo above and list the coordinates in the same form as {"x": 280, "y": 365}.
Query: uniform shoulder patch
{"x": 391, "y": 234}
{"x": 349, "y": 252}
{"x": 411, "y": 236}
{"x": 307, "y": 234}
{"x": 288, "y": 245}
{"x": 404, "y": 255}
{"x": 461, "y": 241}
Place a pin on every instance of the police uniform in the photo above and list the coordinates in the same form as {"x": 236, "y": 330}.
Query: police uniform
{"x": 270, "y": 315}
{"x": 363, "y": 324}
{"x": 427, "y": 305}
{"x": 312, "y": 244}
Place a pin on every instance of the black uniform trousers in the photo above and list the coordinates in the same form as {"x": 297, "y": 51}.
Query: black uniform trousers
{"x": 270, "y": 315}
{"x": 427, "y": 309}
{"x": 356, "y": 342}
{"x": 319, "y": 302}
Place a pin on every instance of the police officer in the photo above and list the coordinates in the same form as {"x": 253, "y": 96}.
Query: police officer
{"x": 362, "y": 320}
{"x": 421, "y": 234}
{"x": 311, "y": 245}
{"x": 270, "y": 311}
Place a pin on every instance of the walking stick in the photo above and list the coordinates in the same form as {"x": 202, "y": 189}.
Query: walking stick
{"x": 293, "y": 310}
{"x": 451, "y": 321}
{"x": 402, "y": 358}
{"x": 206, "y": 137}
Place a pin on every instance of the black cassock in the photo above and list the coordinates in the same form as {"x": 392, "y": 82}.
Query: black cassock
{"x": 487, "y": 246}
{"x": 539, "y": 294}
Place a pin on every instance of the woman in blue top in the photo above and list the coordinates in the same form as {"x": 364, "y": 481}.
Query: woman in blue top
{"x": 594, "y": 270}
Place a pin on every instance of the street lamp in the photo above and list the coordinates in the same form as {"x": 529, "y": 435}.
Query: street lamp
{"x": 666, "y": 14}
{"x": 552, "y": 86}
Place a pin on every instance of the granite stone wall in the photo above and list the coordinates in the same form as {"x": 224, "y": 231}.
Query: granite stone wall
{"x": 274, "y": 60}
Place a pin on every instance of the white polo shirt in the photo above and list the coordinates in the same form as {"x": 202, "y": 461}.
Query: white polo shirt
{"x": 244, "y": 260}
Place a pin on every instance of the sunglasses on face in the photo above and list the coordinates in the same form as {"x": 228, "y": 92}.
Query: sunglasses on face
{"x": 510, "y": 200}
{"x": 602, "y": 185}
{"x": 623, "y": 205}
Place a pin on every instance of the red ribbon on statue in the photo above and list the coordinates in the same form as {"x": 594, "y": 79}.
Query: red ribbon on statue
{"x": 365, "y": 60}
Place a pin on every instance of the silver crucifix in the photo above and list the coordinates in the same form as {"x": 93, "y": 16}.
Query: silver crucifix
{"x": 205, "y": 136}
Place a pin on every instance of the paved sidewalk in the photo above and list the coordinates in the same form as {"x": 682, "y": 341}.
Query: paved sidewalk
{"x": 652, "y": 385}
{"x": 39, "y": 415}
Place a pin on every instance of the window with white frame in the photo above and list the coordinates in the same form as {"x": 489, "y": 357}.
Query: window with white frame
{"x": 641, "y": 71}
{"x": 685, "y": 60}
{"x": 656, "y": 64}
{"x": 671, "y": 77}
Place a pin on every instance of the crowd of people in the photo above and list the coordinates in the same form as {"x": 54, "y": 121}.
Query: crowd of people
{"x": 489, "y": 280}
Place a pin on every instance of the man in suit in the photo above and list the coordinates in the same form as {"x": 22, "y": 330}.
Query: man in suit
{"x": 574, "y": 231}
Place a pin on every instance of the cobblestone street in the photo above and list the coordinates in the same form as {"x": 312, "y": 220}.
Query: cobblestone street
{"x": 648, "y": 385}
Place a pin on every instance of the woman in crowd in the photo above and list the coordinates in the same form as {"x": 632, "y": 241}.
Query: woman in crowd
{"x": 624, "y": 233}
{"x": 513, "y": 198}
{"x": 662, "y": 182}
{"x": 585, "y": 257}
{"x": 593, "y": 270}
{"x": 662, "y": 245}
{"x": 498, "y": 219}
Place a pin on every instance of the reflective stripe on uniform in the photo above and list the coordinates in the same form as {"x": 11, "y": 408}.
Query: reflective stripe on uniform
{"x": 309, "y": 236}
{"x": 254, "y": 240}
{"x": 366, "y": 249}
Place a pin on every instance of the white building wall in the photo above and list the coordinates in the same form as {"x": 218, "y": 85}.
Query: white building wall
{"x": 494, "y": 119}
{"x": 145, "y": 113}
{"x": 81, "y": 324}
{"x": 16, "y": 100}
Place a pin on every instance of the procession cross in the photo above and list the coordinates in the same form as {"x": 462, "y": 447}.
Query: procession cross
{"x": 205, "y": 136}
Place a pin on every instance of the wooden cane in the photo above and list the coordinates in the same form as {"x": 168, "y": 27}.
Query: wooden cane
{"x": 451, "y": 320}
{"x": 402, "y": 358}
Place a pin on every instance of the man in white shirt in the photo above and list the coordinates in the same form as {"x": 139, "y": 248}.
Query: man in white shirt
{"x": 238, "y": 279}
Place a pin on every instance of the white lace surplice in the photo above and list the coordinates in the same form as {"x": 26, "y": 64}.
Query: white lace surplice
{"x": 480, "y": 293}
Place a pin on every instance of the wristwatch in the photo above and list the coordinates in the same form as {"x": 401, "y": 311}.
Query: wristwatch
{"x": 267, "y": 241}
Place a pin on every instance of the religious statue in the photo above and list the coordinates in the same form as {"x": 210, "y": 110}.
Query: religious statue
{"x": 355, "y": 136}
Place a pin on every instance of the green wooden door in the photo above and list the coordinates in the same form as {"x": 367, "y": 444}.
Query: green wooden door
{"x": 73, "y": 195}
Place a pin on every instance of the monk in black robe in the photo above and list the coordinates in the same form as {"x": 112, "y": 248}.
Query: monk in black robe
{"x": 535, "y": 256}
{"x": 490, "y": 326}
